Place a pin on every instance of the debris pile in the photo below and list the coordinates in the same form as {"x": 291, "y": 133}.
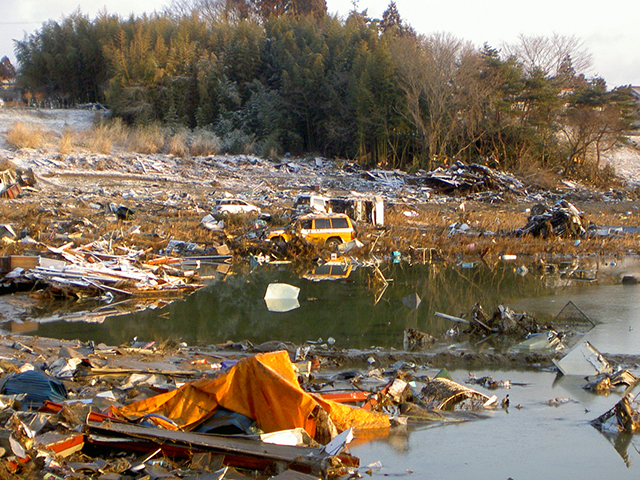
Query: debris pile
{"x": 13, "y": 181}
{"x": 94, "y": 270}
{"x": 503, "y": 321}
{"x": 561, "y": 219}
{"x": 151, "y": 411}
{"x": 465, "y": 179}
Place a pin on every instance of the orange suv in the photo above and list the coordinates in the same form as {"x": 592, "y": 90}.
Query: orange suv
{"x": 321, "y": 229}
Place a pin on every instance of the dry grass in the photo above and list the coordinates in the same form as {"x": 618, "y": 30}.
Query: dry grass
{"x": 6, "y": 164}
{"x": 177, "y": 144}
{"x": 66, "y": 143}
{"x": 148, "y": 139}
{"x": 204, "y": 143}
{"x": 106, "y": 135}
{"x": 21, "y": 135}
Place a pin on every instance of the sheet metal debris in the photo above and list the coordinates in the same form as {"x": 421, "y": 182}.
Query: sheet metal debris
{"x": 583, "y": 360}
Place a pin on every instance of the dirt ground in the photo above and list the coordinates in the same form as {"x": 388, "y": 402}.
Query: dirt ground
{"x": 170, "y": 195}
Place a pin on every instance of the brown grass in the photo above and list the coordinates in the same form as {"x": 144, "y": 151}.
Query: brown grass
{"x": 204, "y": 143}
{"x": 148, "y": 139}
{"x": 106, "y": 135}
{"x": 21, "y": 135}
{"x": 177, "y": 144}
{"x": 67, "y": 140}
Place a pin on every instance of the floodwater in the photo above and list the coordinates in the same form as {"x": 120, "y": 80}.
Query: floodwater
{"x": 533, "y": 441}
{"x": 536, "y": 441}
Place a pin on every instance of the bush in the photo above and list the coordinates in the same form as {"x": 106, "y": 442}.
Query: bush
{"x": 177, "y": 144}
{"x": 237, "y": 142}
{"x": 21, "y": 135}
{"x": 147, "y": 139}
{"x": 204, "y": 143}
{"x": 66, "y": 142}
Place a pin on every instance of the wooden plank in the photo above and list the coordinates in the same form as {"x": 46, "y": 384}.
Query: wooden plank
{"x": 307, "y": 458}
{"x": 62, "y": 444}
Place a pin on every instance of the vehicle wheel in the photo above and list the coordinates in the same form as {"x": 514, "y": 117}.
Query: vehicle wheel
{"x": 333, "y": 242}
{"x": 278, "y": 241}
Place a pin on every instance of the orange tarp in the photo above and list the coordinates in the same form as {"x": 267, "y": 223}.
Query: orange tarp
{"x": 264, "y": 388}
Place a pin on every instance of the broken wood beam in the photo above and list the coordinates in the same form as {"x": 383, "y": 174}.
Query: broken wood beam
{"x": 306, "y": 459}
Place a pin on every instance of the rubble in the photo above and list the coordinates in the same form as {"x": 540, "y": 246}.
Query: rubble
{"x": 122, "y": 228}
{"x": 626, "y": 415}
{"x": 583, "y": 360}
{"x": 504, "y": 321}
{"x": 77, "y": 425}
{"x": 561, "y": 219}
{"x": 463, "y": 179}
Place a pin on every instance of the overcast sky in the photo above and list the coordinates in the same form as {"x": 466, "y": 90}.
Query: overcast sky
{"x": 610, "y": 31}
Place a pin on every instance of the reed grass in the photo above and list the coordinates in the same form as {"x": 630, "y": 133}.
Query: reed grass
{"x": 146, "y": 139}
{"x": 21, "y": 135}
{"x": 66, "y": 143}
{"x": 177, "y": 144}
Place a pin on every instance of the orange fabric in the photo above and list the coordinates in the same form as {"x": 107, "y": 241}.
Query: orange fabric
{"x": 264, "y": 388}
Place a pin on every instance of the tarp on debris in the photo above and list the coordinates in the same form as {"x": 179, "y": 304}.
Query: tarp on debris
{"x": 264, "y": 388}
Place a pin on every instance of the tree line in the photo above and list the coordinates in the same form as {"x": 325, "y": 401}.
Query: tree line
{"x": 283, "y": 76}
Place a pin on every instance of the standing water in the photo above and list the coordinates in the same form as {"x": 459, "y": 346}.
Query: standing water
{"x": 545, "y": 431}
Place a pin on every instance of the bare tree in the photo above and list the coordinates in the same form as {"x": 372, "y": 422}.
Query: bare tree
{"x": 212, "y": 11}
{"x": 429, "y": 67}
{"x": 549, "y": 54}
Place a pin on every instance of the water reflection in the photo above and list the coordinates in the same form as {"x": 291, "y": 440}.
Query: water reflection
{"x": 351, "y": 309}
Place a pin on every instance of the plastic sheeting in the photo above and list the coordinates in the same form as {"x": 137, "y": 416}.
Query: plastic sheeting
{"x": 263, "y": 388}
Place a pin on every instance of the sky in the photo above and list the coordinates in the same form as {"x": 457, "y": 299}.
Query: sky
{"x": 610, "y": 32}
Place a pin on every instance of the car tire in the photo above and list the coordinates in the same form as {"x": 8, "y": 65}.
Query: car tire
{"x": 333, "y": 242}
{"x": 278, "y": 241}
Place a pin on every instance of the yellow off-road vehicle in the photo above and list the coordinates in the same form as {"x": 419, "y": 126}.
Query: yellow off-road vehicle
{"x": 321, "y": 229}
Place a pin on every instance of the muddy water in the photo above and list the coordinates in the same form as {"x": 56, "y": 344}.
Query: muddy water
{"x": 536, "y": 441}
{"x": 531, "y": 442}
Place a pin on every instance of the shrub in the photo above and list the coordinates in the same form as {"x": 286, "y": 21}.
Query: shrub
{"x": 177, "y": 144}
{"x": 21, "y": 135}
{"x": 204, "y": 143}
{"x": 66, "y": 142}
{"x": 237, "y": 142}
{"x": 146, "y": 139}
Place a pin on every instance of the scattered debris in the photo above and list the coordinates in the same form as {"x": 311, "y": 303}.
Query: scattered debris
{"x": 443, "y": 394}
{"x": 549, "y": 341}
{"x": 415, "y": 339}
{"x": 464, "y": 179}
{"x": 583, "y": 360}
{"x": 503, "y": 321}
{"x": 604, "y": 382}
{"x": 625, "y": 414}
{"x": 411, "y": 301}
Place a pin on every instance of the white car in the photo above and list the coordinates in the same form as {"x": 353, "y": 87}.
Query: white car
{"x": 231, "y": 206}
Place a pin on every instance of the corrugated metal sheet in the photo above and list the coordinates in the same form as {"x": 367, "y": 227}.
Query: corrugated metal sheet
{"x": 37, "y": 385}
